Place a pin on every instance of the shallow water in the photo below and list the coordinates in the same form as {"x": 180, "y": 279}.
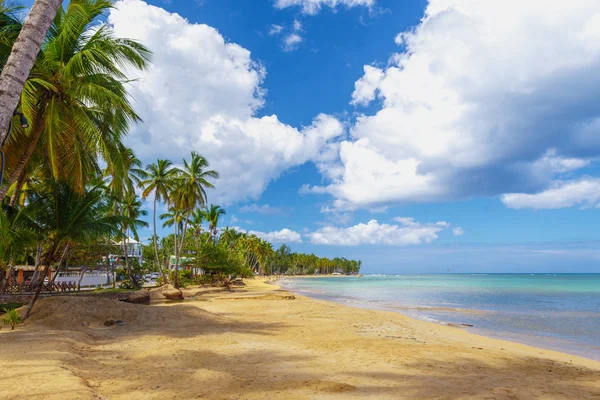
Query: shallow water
{"x": 555, "y": 311}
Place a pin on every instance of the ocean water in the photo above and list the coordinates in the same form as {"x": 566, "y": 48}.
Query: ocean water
{"x": 554, "y": 311}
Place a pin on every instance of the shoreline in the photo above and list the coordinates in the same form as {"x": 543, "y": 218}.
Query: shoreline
{"x": 450, "y": 317}
{"x": 503, "y": 342}
{"x": 263, "y": 342}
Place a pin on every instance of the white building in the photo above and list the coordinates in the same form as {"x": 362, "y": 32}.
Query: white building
{"x": 134, "y": 249}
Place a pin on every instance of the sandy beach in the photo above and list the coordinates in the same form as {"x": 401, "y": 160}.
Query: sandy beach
{"x": 266, "y": 343}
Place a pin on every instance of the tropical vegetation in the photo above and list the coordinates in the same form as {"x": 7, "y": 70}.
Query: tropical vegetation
{"x": 72, "y": 192}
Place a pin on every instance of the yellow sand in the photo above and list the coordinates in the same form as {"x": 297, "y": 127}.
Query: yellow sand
{"x": 268, "y": 344}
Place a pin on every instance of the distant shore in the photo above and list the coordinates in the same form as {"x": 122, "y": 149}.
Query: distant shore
{"x": 263, "y": 342}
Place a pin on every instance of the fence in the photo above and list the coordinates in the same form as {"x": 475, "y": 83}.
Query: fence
{"x": 28, "y": 288}
{"x": 93, "y": 278}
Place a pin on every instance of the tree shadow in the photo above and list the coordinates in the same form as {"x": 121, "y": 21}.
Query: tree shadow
{"x": 90, "y": 316}
{"x": 509, "y": 378}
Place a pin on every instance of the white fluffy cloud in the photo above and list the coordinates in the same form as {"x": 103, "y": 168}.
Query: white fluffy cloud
{"x": 202, "y": 93}
{"x": 314, "y": 6}
{"x": 265, "y": 209}
{"x": 486, "y": 98}
{"x": 283, "y": 236}
{"x": 458, "y": 231}
{"x": 407, "y": 232}
{"x": 584, "y": 192}
{"x": 291, "y": 42}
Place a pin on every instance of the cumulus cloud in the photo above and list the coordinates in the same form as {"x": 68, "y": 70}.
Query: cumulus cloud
{"x": 202, "y": 93}
{"x": 283, "y": 236}
{"x": 291, "y": 42}
{"x": 485, "y": 98}
{"x": 407, "y": 232}
{"x": 264, "y": 209}
{"x": 583, "y": 192}
{"x": 314, "y": 6}
{"x": 458, "y": 231}
{"x": 275, "y": 29}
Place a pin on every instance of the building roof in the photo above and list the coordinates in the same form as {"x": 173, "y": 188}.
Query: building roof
{"x": 129, "y": 240}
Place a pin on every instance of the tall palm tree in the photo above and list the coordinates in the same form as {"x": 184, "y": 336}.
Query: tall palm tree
{"x": 132, "y": 209}
{"x": 158, "y": 179}
{"x": 190, "y": 192}
{"x": 173, "y": 218}
{"x": 67, "y": 217}
{"x": 212, "y": 214}
{"x": 75, "y": 98}
{"x": 196, "y": 221}
{"x": 23, "y": 55}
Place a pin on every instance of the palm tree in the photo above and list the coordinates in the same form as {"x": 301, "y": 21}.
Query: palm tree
{"x": 173, "y": 218}
{"x": 76, "y": 99}
{"x": 16, "y": 234}
{"x": 190, "y": 192}
{"x": 21, "y": 60}
{"x": 67, "y": 217}
{"x": 157, "y": 179}
{"x": 212, "y": 214}
{"x": 132, "y": 209}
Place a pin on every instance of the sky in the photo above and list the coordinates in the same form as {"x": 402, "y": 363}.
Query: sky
{"x": 417, "y": 136}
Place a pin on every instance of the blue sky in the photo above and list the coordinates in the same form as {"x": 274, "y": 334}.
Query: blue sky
{"x": 416, "y": 136}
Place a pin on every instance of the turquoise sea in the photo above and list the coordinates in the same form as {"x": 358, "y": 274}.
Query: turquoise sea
{"x": 554, "y": 311}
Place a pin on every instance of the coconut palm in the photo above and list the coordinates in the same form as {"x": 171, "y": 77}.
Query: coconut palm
{"x": 66, "y": 217}
{"x": 131, "y": 208}
{"x": 189, "y": 193}
{"x": 173, "y": 218}
{"x": 157, "y": 179}
{"x": 22, "y": 57}
{"x": 75, "y": 98}
{"x": 212, "y": 214}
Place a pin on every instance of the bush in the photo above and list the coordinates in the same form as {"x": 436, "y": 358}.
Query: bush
{"x": 209, "y": 279}
{"x": 127, "y": 284}
{"x": 13, "y": 318}
{"x": 246, "y": 272}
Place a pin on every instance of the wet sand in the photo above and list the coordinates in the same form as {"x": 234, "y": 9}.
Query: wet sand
{"x": 269, "y": 344}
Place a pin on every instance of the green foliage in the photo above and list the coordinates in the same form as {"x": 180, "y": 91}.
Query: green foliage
{"x": 127, "y": 284}
{"x": 186, "y": 277}
{"x": 12, "y": 318}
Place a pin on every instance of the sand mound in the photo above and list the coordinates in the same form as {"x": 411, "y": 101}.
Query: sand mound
{"x": 80, "y": 313}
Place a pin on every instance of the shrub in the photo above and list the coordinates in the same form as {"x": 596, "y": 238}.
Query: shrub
{"x": 127, "y": 284}
{"x": 211, "y": 279}
{"x": 13, "y": 318}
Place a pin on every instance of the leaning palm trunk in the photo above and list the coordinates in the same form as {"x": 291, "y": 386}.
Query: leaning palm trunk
{"x": 21, "y": 59}
{"x": 14, "y": 199}
{"x": 37, "y": 292}
{"x": 60, "y": 263}
{"x": 19, "y": 168}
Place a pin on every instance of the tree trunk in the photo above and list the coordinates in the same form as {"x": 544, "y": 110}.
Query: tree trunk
{"x": 37, "y": 292}
{"x": 126, "y": 251}
{"x": 17, "y": 171}
{"x": 176, "y": 272}
{"x": 178, "y": 255}
{"x": 15, "y": 196}
{"x": 59, "y": 264}
{"x": 38, "y": 262}
{"x": 22, "y": 57}
{"x": 162, "y": 272}
{"x": 81, "y": 274}
{"x": 108, "y": 272}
